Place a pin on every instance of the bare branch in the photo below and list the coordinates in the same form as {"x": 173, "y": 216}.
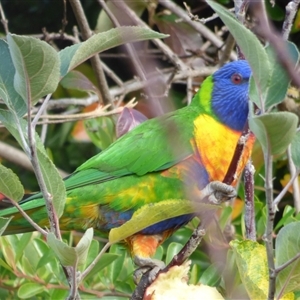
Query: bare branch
{"x": 249, "y": 202}
{"x": 203, "y": 30}
{"x": 268, "y": 32}
{"x": 4, "y": 21}
{"x": 95, "y": 60}
{"x": 19, "y": 158}
{"x": 291, "y": 10}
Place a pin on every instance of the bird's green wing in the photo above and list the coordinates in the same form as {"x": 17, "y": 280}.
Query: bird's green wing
{"x": 152, "y": 146}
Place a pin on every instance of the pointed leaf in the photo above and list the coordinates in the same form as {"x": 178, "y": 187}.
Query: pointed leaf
{"x": 276, "y": 130}
{"x": 154, "y": 213}
{"x": 7, "y": 91}
{"x": 104, "y": 22}
{"x": 74, "y": 55}
{"x": 129, "y": 119}
{"x": 37, "y": 67}
{"x": 101, "y": 131}
{"x": 280, "y": 80}
{"x": 251, "y": 259}
{"x": 295, "y": 149}
{"x": 53, "y": 180}
{"x": 104, "y": 261}
{"x": 30, "y": 289}
{"x": 251, "y": 47}
{"x": 83, "y": 246}
{"x": 78, "y": 81}
{"x": 287, "y": 246}
{"x": 10, "y": 184}
{"x": 66, "y": 254}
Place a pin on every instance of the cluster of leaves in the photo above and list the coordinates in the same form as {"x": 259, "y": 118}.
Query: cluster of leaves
{"x": 31, "y": 265}
{"x": 31, "y": 70}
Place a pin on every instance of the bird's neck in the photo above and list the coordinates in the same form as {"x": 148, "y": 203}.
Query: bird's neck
{"x": 221, "y": 104}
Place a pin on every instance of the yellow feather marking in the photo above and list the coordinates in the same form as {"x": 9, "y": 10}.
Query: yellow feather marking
{"x": 82, "y": 217}
{"x": 216, "y": 144}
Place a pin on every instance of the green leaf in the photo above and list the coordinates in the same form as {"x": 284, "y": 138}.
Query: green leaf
{"x": 173, "y": 249}
{"x": 23, "y": 242}
{"x": 253, "y": 50}
{"x": 74, "y": 55}
{"x": 251, "y": 259}
{"x": 211, "y": 276}
{"x": 104, "y": 23}
{"x": 7, "y": 91}
{"x": 78, "y": 81}
{"x": 275, "y": 130}
{"x": 105, "y": 260}
{"x": 37, "y": 67}
{"x": 53, "y": 180}
{"x": 83, "y": 246}
{"x": 68, "y": 255}
{"x": 10, "y": 184}
{"x": 114, "y": 270}
{"x": 154, "y": 213}
{"x": 28, "y": 290}
{"x": 295, "y": 149}
{"x": 287, "y": 246}
{"x": 280, "y": 80}
{"x": 65, "y": 253}
{"x": 101, "y": 131}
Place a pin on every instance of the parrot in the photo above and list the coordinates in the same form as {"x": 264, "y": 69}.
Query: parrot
{"x": 173, "y": 156}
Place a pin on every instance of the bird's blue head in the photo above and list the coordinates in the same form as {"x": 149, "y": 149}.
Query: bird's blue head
{"x": 230, "y": 94}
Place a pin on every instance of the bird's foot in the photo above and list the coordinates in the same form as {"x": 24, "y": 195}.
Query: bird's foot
{"x": 153, "y": 266}
{"x": 217, "y": 192}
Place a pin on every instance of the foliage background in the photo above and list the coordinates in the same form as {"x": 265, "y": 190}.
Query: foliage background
{"x": 35, "y": 270}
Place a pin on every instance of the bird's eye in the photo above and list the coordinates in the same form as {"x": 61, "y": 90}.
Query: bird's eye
{"x": 236, "y": 78}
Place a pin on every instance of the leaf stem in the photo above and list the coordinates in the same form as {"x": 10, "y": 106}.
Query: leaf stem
{"x": 94, "y": 262}
{"x": 29, "y": 220}
{"x": 270, "y": 221}
{"x": 249, "y": 202}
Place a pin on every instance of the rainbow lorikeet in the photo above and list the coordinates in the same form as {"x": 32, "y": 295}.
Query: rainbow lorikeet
{"x": 160, "y": 159}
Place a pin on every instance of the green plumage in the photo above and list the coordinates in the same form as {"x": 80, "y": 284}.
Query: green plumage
{"x": 157, "y": 161}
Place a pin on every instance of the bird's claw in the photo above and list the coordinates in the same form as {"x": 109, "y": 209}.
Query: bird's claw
{"x": 152, "y": 266}
{"x": 218, "y": 192}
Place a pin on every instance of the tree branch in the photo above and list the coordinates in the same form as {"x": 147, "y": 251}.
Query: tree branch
{"x": 95, "y": 60}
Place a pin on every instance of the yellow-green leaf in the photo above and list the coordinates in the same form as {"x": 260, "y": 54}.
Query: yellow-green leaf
{"x": 10, "y": 185}
{"x": 153, "y": 213}
{"x": 251, "y": 259}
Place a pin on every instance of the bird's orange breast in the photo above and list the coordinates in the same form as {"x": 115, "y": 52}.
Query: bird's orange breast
{"x": 216, "y": 145}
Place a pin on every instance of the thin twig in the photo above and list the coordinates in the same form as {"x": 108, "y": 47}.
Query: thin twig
{"x": 56, "y": 36}
{"x": 19, "y": 158}
{"x": 41, "y": 110}
{"x": 268, "y": 237}
{"x": 64, "y": 20}
{"x": 203, "y": 30}
{"x": 4, "y": 21}
{"x": 94, "y": 262}
{"x": 133, "y": 85}
{"x": 296, "y": 189}
{"x": 95, "y": 60}
{"x": 73, "y": 293}
{"x": 28, "y": 219}
{"x": 291, "y": 10}
{"x": 249, "y": 202}
{"x": 267, "y": 31}
{"x": 135, "y": 60}
{"x": 285, "y": 189}
{"x": 286, "y": 264}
